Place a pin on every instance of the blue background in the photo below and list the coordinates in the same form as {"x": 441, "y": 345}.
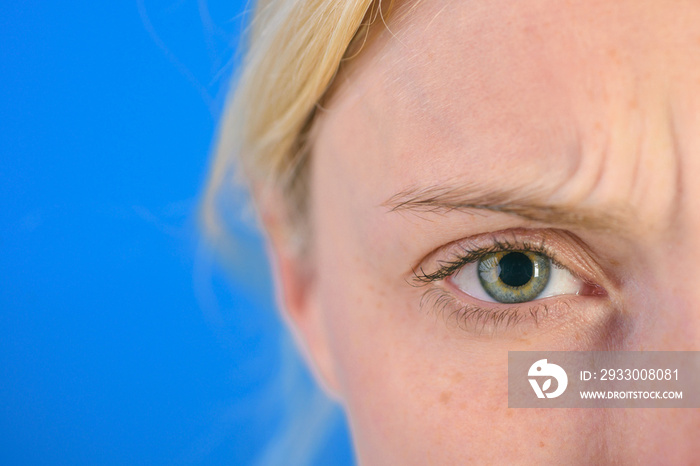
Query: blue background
{"x": 122, "y": 339}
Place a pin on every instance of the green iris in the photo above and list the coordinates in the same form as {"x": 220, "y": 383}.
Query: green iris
{"x": 514, "y": 276}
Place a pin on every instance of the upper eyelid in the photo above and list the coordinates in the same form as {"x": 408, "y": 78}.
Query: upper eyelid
{"x": 544, "y": 241}
{"x": 448, "y": 267}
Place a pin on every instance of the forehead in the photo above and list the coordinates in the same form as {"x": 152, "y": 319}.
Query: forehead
{"x": 484, "y": 85}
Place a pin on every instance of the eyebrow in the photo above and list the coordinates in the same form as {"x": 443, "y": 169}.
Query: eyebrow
{"x": 517, "y": 201}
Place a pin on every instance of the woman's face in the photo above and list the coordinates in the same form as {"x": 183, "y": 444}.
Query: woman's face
{"x": 572, "y": 128}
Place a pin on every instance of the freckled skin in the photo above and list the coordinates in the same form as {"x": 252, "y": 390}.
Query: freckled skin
{"x": 590, "y": 103}
{"x": 445, "y": 397}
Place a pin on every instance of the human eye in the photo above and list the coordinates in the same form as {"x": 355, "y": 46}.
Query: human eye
{"x": 505, "y": 277}
{"x": 515, "y": 276}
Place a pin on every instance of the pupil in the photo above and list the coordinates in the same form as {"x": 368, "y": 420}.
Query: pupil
{"x": 516, "y": 269}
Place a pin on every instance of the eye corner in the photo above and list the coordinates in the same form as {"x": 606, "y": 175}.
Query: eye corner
{"x": 418, "y": 277}
{"x": 593, "y": 289}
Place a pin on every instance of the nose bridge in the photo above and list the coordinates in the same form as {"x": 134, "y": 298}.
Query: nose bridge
{"x": 678, "y": 276}
{"x": 666, "y": 299}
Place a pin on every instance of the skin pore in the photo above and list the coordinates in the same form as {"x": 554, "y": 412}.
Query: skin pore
{"x": 574, "y": 126}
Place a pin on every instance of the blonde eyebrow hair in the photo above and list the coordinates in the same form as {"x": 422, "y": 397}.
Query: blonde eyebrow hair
{"x": 516, "y": 201}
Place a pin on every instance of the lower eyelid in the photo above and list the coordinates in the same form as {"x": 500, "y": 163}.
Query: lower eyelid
{"x": 480, "y": 319}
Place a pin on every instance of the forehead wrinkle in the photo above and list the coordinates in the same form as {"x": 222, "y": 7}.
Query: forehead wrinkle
{"x": 443, "y": 199}
{"x": 400, "y": 103}
{"x": 678, "y": 152}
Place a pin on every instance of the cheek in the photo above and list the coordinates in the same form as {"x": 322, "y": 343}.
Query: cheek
{"x": 396, "y": 392}
{"x": 414, "y": 395}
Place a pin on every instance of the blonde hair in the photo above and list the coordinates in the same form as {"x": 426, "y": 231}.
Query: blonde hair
{"x": 294, "y": 50}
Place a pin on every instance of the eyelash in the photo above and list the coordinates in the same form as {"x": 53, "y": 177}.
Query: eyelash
{"x": 473, "y": 317}
{"x": 445, "y": 303}
{"x": 469, "y": 256}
